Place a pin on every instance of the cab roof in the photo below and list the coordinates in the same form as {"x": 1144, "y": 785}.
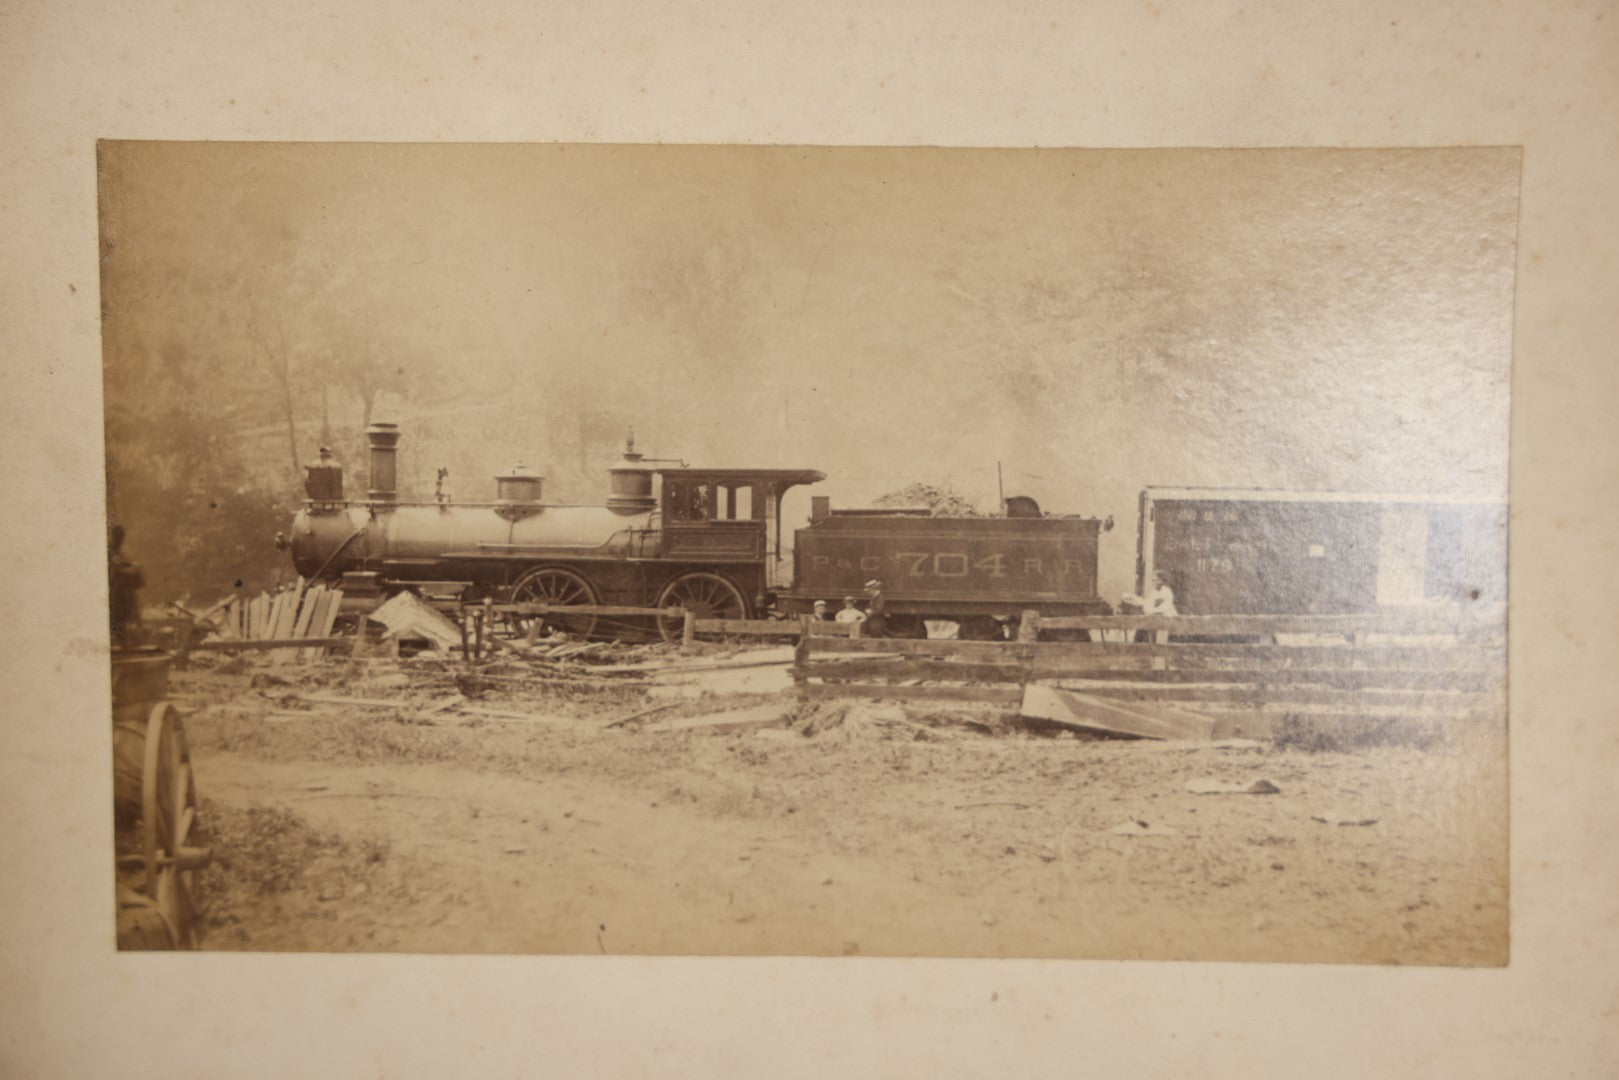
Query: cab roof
{"x": 737, "y": 476}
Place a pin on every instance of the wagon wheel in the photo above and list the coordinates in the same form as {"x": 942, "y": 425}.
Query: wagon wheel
{"x": 555, "y": 585}
{"x": 705, "y": 595}
{"x": 168, "y": 814}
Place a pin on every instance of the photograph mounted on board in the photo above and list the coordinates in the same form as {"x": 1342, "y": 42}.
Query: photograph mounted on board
{"x": 718, "y": 550}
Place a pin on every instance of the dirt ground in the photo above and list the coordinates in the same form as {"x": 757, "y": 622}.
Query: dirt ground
{"x": 847, "y": 830}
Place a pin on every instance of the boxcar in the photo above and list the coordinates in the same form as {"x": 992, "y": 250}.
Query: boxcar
{"x": 1258, "y": 552}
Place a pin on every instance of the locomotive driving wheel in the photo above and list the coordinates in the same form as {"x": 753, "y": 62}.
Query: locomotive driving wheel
{"x": 555, "y": 585}
{"x": 705, "y": 595}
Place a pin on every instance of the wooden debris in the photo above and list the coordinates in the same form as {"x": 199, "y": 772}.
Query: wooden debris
{"x": 406, "y": 616}
{"x": 641, "y": 715}
{"x": 773, "y": 714}
{"x": 1104, "y": 716}
{"x": 505, "y": 714}
{"x": 1335, "y": 817}
{"x": 1141, "y": 827}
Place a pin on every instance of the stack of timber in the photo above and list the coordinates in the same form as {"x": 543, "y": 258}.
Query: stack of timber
{"x": 294, "y": 624}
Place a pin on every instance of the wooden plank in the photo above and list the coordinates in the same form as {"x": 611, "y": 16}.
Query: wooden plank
{"x": 585, "y": 609}
{"x": 947, "y": 670}
{"x": 1247, "y": 686}
{"x": 992, "y": 695}
{"x": 1416, "y": 622}
{"x": 334, "y": 600}
{"x": 1181, "y": 656}
{"x": 1139, "y": 720}
{"x": 996, "y": 650}
{"x": 310, "y": 626}
{"x": 748, "y": 627}
{"x": 289, "y": 610}
{"x": 253, "y": 644}
{"x": 286, "y": 618}
{"x": 306, "y": 610}
{"x": 825, "y": 628}
{"x": 1369, "y": 698}
{"x": 272, "y": 614}
{"x": 307, "y": 601}
{"x": 1388, "y": 678}
{"x": 901, "y": 668}
{"x": 770, "y": 714}
{"x": 1189, "y": 654}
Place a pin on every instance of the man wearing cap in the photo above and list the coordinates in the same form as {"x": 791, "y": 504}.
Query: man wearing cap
{"x": 821, "y": 614}
{"x": 876, "y": 610}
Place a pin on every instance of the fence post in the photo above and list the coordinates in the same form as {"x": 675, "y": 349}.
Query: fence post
{"x": 688, "y": 632}
{"x": 801, "y": 651}
{"x": 1029, "y": 628}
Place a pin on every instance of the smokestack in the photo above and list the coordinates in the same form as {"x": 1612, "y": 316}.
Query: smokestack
{"x": 384, "y": 438}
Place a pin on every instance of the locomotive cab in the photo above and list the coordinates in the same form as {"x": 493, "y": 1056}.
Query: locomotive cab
{"x": 726, "y": 514}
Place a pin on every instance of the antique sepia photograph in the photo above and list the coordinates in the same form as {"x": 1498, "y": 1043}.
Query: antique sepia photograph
{"x": 809, "y": 551}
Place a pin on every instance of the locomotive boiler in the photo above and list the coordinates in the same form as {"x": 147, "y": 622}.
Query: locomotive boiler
{"x": 706, "y": 540}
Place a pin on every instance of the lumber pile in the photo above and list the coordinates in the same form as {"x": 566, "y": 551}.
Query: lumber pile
{"x": 294, "y": 614}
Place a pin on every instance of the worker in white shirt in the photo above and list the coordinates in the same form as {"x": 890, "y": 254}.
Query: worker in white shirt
{"x": 1160, "y": 600}
{"x": 850, "y": 613}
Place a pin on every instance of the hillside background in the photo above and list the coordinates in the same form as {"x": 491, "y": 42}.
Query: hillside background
{"x": 1095, "y": 321}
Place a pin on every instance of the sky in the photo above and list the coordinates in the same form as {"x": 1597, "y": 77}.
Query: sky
{"x": 1091, "y": 321}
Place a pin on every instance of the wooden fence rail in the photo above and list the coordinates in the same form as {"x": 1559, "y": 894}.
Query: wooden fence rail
{"x": 1414, "y": 623}
{"x": 1462, "y": 675}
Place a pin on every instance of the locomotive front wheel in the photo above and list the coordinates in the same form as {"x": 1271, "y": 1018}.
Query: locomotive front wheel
{"x": 705, "y": 595}
{"x": 555, "y": 585}
{"x": 168, "y": 813}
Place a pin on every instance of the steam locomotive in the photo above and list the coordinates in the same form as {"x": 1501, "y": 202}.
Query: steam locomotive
{"x": 707, "y": 540}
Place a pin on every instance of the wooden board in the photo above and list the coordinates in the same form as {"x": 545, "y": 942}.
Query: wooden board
{"x": 1136, "y": 720}
{"x": 586, "y": 609}
{"x": 306, "y": 610}
{"x": 291, "y": 612}
{"x": 992, "y": 695}
{"x": 748, "y": 627}
{"x": 899, "y": 668}
{"x": 1441, "y": 701}
{"x": 328, "y": 617}
{"x": 985, "y": 650}
{"x": 824, "y": 628}
{"x": 254, "y": 644}
{"x": 309, "y": 617}
{"x": 773, "y": 714}
{"x": 1415, "y": 622}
